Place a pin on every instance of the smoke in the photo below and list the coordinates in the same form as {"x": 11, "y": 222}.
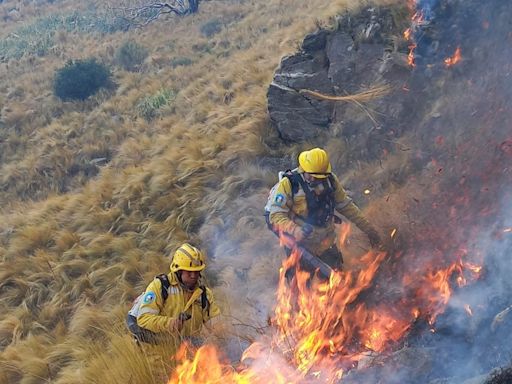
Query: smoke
{"x": 245, "y": 262}
{"x": 456, "y": 210}
{"x": 461, "y": 208}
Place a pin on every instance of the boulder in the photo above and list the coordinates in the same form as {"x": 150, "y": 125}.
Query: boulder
{"x": 348, "y": 60}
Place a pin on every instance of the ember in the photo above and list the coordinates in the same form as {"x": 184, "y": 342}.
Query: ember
{"x": 456, "y": 58}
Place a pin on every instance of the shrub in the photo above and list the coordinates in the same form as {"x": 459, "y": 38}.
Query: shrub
{"x": 79, "y": 79}
{"x": 211, "y": 27}
{"x": 180, "y": 60}
{"x": 148, "y": 107}
{"x": 131, "y": 55}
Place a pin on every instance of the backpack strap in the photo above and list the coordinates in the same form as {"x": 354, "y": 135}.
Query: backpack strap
{"x": 313, "y": 202}
{"x": 165, "y": 285}
{"x": 205, "y": 303}
{"x": 295, "y": 180}
{"x": 332, "y": 182}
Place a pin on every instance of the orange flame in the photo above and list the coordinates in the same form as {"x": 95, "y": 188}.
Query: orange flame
{"x": 408, "y": 34}
{"x": 456, "y": 58}
{"x": 324, "y": 328}
{"x": 410, "y": 56}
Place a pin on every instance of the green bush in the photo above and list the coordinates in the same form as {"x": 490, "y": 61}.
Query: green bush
{"x": 79, "y": 79}
{"x": 148, "y": 107}
{"x": 131, "y": 55}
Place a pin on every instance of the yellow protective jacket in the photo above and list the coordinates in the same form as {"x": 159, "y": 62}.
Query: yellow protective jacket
{"x": 286, "y": 212}
{"x": 156, "y": 315}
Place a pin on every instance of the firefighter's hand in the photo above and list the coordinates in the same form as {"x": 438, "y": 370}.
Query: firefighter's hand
{"x": 297, "y": 234}
{"x": 176, "y": 325}
{"x": 374, "y": 238}
{"x": 302, "y": 232}
{"x": 307, "y": 230}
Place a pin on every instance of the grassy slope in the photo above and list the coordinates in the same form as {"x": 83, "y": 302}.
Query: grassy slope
{"x": 70, "y": 262}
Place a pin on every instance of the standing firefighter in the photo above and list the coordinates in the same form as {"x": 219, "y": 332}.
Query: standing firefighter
{"x": 174, "y": 306}
{"x": 302, "y": 205}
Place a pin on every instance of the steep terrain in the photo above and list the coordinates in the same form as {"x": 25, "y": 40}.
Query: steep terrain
{"x": 95, "y": 195}
{"x": 80, "y": 238}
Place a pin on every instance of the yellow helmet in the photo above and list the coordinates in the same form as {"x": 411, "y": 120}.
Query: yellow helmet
{"x": 187, "y": 258}
{"x": 316, "y": 162}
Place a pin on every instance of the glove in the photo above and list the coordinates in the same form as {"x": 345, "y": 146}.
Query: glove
{"x": 374, "y": 237}
{"x": 307, "y": 230}
{"x": 302, "y": 232}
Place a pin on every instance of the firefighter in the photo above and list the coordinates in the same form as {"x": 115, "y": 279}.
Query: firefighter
{"x": 302, "y": 206}
{"x": 175, "y": 305}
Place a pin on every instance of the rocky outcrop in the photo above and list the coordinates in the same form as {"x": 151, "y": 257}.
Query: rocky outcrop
{"x": 356, "y": 56}
{"x": 297, "y": 117}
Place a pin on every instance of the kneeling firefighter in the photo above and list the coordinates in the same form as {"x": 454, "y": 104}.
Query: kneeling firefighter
{"x": 302, "y": 206}
{"x": 174, "y": 306}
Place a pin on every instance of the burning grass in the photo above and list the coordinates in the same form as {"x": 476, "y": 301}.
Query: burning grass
{"x": 71, "y": 262}
{"x": 95, "y": 238}
{"x": 323, "y": 329}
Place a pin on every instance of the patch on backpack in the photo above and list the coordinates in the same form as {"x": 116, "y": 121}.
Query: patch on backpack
{"x": 279, "y": 200}
{"x": 149, "y": 297}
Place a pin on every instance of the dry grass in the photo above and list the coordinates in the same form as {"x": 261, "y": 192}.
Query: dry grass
{"x": 361, "y": 97}
{"x": 80, "y": 239}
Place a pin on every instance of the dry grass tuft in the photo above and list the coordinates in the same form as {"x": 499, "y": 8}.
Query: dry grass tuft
{"x": 362, "y": 97}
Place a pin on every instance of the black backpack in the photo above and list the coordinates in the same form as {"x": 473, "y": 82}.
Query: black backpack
{"x": 320, "y": 208}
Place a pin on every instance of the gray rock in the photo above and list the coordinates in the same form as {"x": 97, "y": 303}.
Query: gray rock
{"x": 315, "y": 41}
{"x": 296, "y": 116}
{"x": 336, "y": 63}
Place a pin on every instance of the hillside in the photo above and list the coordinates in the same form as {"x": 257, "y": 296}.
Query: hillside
{"x": 95, "y": 194}
{"x": 80, "y": 238}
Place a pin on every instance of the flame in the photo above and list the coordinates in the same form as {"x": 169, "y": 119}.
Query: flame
{"x": 319, "y": 319}
{"x": 456, "y": 58}
{"x": 323, "y": 328}
{"x": 408, "y": 34}
{"x": 393, "y": 233}
{"x": 204, "y": 368}
{"x": 417, "y": 19}
{"x": 410, "y": 56}
{"x": 476, "y": 269}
